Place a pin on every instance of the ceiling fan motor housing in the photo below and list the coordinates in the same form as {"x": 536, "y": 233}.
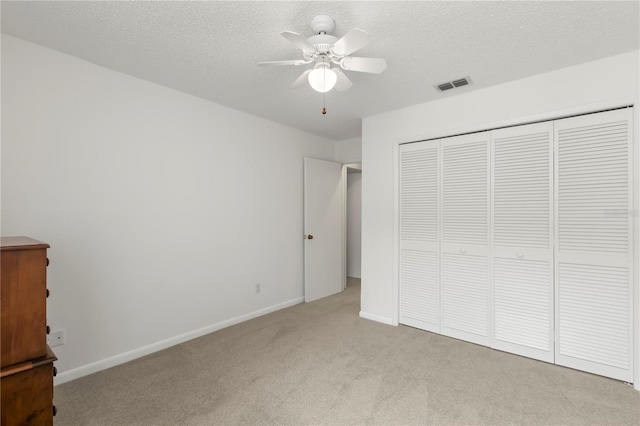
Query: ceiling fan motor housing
{"x": 322, "y": 42}
{"x": 323, "y": 24}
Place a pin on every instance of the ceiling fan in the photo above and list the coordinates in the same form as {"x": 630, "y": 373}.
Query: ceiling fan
{"x": 329, "y": 56}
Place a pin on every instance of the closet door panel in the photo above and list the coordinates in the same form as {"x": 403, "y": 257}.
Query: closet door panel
{"x": 522, "y": 307}
{"x": 464, "y": 297}
{"x": 465, "y": 237}
{"x": 594, "y": 316}
{"x": 419, "y": 292}
{"x": 419, "y": 242}
{"x": 594, "y": 252}
{"x": 522, "y": 261}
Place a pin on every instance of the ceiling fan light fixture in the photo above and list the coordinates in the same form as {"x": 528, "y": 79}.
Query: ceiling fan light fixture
{"x": 322, "y": 79}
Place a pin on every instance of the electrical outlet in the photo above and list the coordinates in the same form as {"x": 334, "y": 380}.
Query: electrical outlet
{"x": 55, "y": 338}
{"x": 258, "y": 288}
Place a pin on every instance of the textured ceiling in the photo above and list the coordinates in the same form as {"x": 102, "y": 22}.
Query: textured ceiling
{"x": 211, "y": 49}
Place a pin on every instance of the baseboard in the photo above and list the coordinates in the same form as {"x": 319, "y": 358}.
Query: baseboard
{"x": 94, "y": 367}
{"x": 375, "y": 317}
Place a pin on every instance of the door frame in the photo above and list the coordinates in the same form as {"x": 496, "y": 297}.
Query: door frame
{"x": 345, "y": 166}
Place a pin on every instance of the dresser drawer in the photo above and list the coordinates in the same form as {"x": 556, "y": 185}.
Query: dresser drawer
{"x": 23, "y": 304}
{"x": 27, "y": 393}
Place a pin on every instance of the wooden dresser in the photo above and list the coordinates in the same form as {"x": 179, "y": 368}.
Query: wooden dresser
{"x": 26, "y": 360}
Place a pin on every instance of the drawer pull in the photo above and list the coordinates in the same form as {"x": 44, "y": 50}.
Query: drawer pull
{"x": 48, "y": 329}
{"x": 48, "y": 292}
{"x": 463, "y": 250}
{"x": 55, "y": 410}
{"x": 520, "y": 255}
{"x": 47, "y": 261}
{"x": 55, "y": 371}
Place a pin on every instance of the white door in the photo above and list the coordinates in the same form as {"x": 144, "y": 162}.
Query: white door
{"x": 594, "y": 243}
{"x": 419, "y": 235}
{"x": 522, "y": 164}
{"x": 465, "y": 302}
{"x": 323, "y": 228}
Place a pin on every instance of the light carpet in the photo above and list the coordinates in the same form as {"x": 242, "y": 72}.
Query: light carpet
{"x": 319, "y": 363}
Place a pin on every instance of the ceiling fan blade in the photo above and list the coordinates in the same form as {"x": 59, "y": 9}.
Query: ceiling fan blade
{"x": 372, "y": 65}
{"x": 298, "y": 41}
{"x": 281, "y": 63}
{"x": 343, "y": 83}
{"x": 301, "y": 81}
{"x": 350, "y": 42}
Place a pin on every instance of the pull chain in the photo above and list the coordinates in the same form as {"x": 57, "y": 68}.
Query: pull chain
{"x": 324, "y": 94}
{"x": 324, "y": 97}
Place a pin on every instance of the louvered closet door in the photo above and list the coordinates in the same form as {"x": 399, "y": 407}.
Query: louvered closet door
{"x": 465, "y": 237}
{"x": 594, "y": 243}
{"x": 419, "y": 278}
{"x": 522, "y": 240}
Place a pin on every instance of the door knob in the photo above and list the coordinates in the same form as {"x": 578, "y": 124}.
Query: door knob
{"x": 309, "y": 237}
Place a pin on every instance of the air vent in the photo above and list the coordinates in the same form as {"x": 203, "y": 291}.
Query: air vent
{"x": 453, "y": 84}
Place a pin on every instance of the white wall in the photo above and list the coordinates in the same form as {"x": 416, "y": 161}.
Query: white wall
{"x": 162, "y": 209}
{"x": 354, "y": 223}
{"x": 348, "y": 151}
